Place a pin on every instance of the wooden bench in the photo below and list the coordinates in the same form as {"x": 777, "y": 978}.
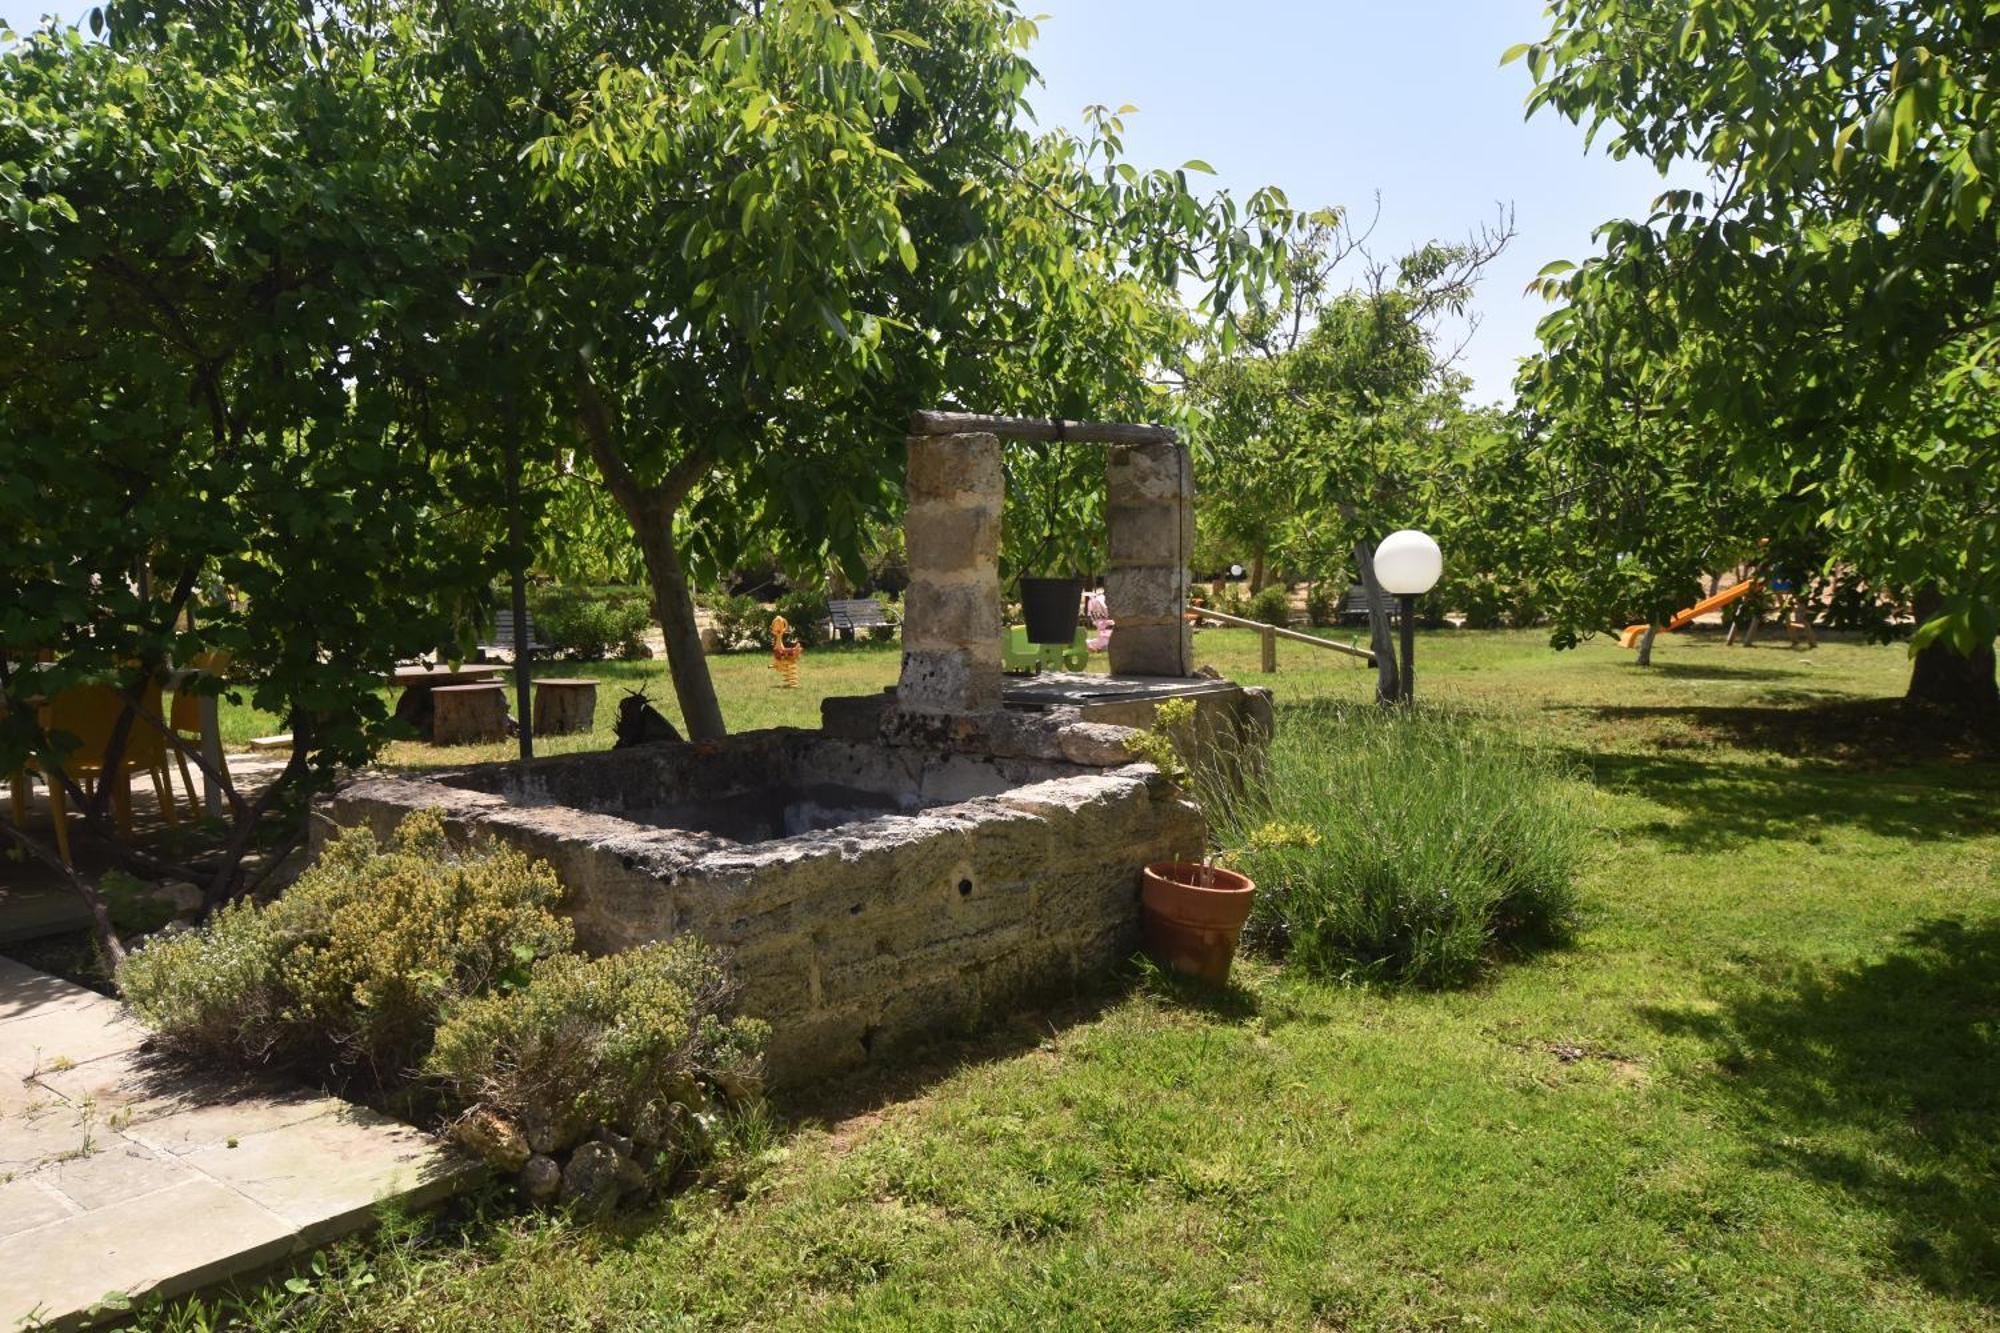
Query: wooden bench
{"x": 853, "y": 615}
{"x": 468, "y": 714}
{"x": 503, "y": 633}
{"x": 563, "y": 706}
{"x": 1355, "y": 608}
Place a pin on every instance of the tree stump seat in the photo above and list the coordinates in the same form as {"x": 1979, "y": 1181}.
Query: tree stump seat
{"x": 564, "y": 706}
{"x": 468, "y": 714}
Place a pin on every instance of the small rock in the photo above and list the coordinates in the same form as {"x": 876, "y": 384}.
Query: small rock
{"x": 541, "y": 1178}
{"x": 651, "y": 1126}
{"x": 632, "y": 1179}
{"x": 545, "y": 1135}
{"x": 612, "y": 1139}
{"x": 1096, "y": 744}
{"x": 591, "y": 1182}
{"x": 494, "y": 1138}
{"x": 182, "y": 897}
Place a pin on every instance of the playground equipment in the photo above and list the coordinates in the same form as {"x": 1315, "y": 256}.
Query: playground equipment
{"x": 1632, "y": 634}
{"x": 785, "y": 656}
{"x": 1018, "y": 653}
{"x": 1099, "y": 615}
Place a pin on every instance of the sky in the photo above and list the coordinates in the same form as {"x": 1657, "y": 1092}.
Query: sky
{"x": 1337, "y": 102}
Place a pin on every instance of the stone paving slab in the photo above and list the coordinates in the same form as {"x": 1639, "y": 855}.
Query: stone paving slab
{"x": 121, "y": 1173}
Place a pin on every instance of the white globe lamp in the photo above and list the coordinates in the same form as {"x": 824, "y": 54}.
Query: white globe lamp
{"x": 1407, "y": 565}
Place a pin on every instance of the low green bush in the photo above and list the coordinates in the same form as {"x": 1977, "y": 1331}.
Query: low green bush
{"x": 589, "y": 625}
{"x": 1323, "y": 602}
{"x": 740, "y": 621}
{"x": 806, "y": 609}
{"x": 1402, "y": 846}
{"x": 1272, "y": 605}
{"x": 636, "y": 1040}
{"x": 347, "y": 973}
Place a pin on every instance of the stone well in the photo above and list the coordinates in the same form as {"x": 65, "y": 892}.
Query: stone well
{"x": 932, "y": 855}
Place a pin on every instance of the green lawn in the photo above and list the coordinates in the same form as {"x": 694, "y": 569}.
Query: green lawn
{"x": 1761, "y": 1089}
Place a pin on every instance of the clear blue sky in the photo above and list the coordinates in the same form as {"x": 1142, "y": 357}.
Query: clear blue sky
{"x": 1336, "y": 101}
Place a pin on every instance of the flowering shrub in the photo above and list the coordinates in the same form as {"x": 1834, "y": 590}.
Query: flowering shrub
{"x": 350, "y": 969}
{"x": 636, "y": 1040}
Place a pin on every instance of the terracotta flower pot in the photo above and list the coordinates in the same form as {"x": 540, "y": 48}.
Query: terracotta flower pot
{"x": 1190, "y": 916}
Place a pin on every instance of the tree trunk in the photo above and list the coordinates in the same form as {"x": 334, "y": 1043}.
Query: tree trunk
{"x": 1388, "y": 682}
{"x": 651, "y": 511}
{"x": 1256, "y": 573}
{"x": 1948, "y": 680}
{"x": 1646, "y": 644}
{"x": 687, "y": 663}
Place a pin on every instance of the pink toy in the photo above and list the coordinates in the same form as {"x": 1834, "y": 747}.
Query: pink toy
{"x": 1099, "y": 615}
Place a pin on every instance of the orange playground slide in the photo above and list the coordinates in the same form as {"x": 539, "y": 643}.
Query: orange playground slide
{"x": 1633, "y": 633}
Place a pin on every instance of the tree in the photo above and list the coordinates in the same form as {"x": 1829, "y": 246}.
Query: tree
{"x": 212, "y": 434}
{"x": 738, "y": 243}
{"x": 1339, "y": 417}
{"x": 1827, "y": 314}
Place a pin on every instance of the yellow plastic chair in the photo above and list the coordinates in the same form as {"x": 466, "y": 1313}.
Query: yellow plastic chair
{"x": 90, "y": 714}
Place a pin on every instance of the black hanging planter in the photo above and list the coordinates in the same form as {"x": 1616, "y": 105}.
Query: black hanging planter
{"x": 1051, "y": 607}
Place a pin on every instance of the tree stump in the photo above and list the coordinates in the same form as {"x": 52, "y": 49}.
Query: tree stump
{"x": 564, "y": 706}
{"x": 465, "y": 714}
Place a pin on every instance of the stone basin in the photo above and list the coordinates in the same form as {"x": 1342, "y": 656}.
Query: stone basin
{"x": 867, "y": 893}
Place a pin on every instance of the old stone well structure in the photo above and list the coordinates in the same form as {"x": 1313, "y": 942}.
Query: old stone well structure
{"x": 930, "y": 855}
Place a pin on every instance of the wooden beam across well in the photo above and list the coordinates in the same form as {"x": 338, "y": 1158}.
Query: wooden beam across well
{"x": 1034, "y": 428}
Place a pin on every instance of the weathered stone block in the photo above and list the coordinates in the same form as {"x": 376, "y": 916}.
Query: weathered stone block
{"x": 951, "y": 467}
{"x": 963, "y": 616}
{"x": 1151, "y": 650}
{"x": 954, "y": 541}
{"x": 1150, "y": 534}
{"x": 1145, "y": 595}
{"x": 1097, "y": 745}
{"x": 950, "y": 680}
{"x": 1149, "y": 472}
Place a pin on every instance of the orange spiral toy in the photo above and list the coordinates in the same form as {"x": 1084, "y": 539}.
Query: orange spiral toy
{"x": 785, "y": 656}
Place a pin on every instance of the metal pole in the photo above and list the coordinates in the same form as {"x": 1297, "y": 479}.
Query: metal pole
{"x": 517, "y": 551}
{"x": 1407, "y": 690}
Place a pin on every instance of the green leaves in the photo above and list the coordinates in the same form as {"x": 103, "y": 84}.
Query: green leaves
{"x": 1819, "y": 328}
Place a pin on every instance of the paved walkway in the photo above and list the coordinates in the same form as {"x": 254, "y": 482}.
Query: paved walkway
{"x": 122, "y": 1174}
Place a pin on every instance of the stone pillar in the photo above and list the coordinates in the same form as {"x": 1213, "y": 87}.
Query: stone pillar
{"x": 951, "y": 610}
{"x": 1149, "y": 509}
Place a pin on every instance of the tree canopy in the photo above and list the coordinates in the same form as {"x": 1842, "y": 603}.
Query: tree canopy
{"x": 294, "y": 297}
{"x": 1817, "y": 331}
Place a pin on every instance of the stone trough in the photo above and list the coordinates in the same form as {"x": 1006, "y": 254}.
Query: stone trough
{"x": 931, "y": 856}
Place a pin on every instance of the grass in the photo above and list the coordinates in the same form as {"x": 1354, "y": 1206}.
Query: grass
{"x": 1756, "y": 1090}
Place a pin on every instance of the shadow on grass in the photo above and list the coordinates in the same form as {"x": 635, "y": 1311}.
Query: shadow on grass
{"x": 1881, "y": 1080}
{"x": 1860, "y": 732}
{"x": 908, "y": 1072}
{"x": 1731, "y": 804}
{"x": 1712, "y": 671}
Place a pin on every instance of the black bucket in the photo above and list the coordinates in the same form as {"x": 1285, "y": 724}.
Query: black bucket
{"x": 1051, "y": 607}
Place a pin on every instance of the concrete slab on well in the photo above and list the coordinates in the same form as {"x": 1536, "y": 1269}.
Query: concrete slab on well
{"x": 124, "y": 1175}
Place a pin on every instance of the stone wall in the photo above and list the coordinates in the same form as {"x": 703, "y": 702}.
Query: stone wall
{"x": 850, "y": 940}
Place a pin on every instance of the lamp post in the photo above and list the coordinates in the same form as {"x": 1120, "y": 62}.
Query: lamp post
{"x": 1407, "y": 564}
